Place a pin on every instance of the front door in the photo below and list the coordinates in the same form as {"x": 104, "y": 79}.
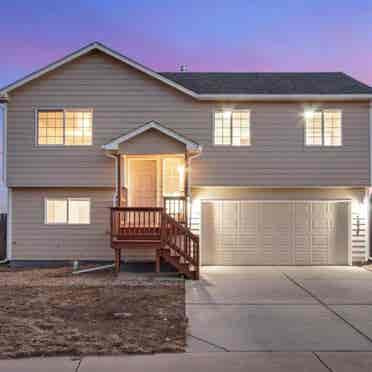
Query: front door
{"x": 142, "y": 183}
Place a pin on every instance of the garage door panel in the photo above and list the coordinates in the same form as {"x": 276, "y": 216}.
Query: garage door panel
{"x": 209, "y": 233}
{"x": 339, "y": 232}
{"x": 302, "y": 230}
{"x": 277, "y": 232}
{"x": 282, "y": 233}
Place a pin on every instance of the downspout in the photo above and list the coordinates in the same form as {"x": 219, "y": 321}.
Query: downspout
{"x": 115, "y": 197}
{"x": 188, "y": 191}
{"x": 369, "y": 211}
{"x": 4, "y": 110}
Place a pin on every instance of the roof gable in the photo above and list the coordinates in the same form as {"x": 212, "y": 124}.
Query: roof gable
{"x": 190, "y": 145}
{"x": 85, "y": 50}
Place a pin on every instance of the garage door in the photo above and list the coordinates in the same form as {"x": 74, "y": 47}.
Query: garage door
{"x": 274, "y": 233}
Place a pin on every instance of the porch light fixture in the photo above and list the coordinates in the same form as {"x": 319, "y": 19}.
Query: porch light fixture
{"x": 181, "y": 170}
{"x": 309, "y": 114}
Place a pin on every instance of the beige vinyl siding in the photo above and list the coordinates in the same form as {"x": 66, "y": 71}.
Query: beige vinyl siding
{"x": 152, "y": 142}
{"x": 359, "y": 242}
{"x": 123, "y": 99}
{"x": 35, "y": 240}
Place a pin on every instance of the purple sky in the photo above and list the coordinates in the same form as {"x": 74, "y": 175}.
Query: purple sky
{"x": 206, "y": 35}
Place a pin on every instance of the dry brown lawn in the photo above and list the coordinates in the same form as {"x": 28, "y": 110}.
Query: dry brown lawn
{"x": 51, "y": 312}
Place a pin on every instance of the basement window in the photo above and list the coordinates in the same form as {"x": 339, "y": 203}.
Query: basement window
{"x": 71, "y": 211}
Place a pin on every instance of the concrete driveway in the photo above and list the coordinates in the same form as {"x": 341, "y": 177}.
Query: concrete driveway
{"x": 283, "y": 309}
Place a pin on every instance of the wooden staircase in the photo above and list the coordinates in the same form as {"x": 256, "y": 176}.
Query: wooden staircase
{"x": 179, "y": 247}
{"x": 153, "y": 228}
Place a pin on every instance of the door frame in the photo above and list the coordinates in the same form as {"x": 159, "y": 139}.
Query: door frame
{"x": 159, "y": 172}
{"x": 349, "y": 216}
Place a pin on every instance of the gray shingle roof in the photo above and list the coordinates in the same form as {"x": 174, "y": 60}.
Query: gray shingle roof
{"x": 269, "y": 83}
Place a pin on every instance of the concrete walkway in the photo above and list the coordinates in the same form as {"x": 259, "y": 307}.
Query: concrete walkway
{"x": 214, "y": 362}
{"x": 258, "y": 319}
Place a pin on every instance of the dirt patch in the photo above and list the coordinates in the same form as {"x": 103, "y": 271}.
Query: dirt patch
{"x": 50, "y": 312}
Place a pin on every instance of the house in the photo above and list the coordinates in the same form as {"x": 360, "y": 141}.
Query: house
{"x": 190, "y": 168}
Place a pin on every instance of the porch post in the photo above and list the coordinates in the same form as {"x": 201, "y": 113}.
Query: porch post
{"x": 187, "y": 164}
{"x": 120, "y": 179}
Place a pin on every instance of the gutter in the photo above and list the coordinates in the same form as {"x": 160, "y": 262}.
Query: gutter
{"x": 284, "y": 97}
{"x": 4, "y": 98}
{"x": 188, "y": 191}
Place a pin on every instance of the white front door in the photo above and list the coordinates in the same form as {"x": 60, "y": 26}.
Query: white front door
{"x": 142, "y": 183}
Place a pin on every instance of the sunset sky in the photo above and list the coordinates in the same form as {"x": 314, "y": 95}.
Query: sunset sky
{"x": 206, "y": 35}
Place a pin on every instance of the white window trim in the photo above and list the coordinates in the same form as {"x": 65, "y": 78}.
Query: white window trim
{"x": 322, "y": 111}
{"x": 67, "y": 211}
{"x": 231, "y": 144}
{"x": 63, "y": 109}
{"x": 164, "y": 164}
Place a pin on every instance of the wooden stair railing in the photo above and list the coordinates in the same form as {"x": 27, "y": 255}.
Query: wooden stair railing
{"x": 155, "y": 229}
{"x": 176, "y": 207}
{"x": 179, "y": 247}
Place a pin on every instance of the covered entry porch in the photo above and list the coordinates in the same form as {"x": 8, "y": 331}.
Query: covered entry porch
{"x": 151, "y": 204}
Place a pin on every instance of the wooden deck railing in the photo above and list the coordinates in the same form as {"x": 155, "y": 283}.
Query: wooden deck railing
{"x": 176, "y": 207}
{"x": 154, "y": 228}
{"x": 136, "y": 223}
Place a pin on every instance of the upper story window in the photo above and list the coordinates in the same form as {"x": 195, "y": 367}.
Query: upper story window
{"x": 323, "y": 128}
{"x": 72, "y": 211}
{"x": 64, "y": 127}
{"x": 232, "y": 128}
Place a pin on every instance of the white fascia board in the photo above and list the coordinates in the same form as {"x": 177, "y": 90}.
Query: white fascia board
{"x": 190, "y": 145}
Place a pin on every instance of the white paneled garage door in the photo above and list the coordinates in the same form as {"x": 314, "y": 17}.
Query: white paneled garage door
{"x": 275, "y": 233}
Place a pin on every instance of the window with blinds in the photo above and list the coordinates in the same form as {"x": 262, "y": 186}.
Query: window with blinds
{"x": 323, "y": 128}
{"x": 232, "y": 128}
{"x": 72, "y": 211}
{"x": 64, "y": 127}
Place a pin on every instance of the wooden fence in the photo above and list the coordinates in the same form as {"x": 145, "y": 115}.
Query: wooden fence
{"x": 3, "y": 218}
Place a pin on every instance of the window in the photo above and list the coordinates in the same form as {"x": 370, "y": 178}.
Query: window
{"x": 64, "y": 127}
{"x": 56, "y": 211}
{"x": 323, "y": 128}
{"x": 67, "y": 211}
{"x": 173, "y": 177}
{"x": 232, "y": 128}
{"x": 78, "y": 211}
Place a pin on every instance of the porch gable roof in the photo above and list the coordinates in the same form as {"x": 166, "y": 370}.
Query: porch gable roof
{"x": 115, "y": 143}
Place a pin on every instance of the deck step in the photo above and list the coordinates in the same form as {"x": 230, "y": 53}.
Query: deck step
{"x": 182, "y": 267}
